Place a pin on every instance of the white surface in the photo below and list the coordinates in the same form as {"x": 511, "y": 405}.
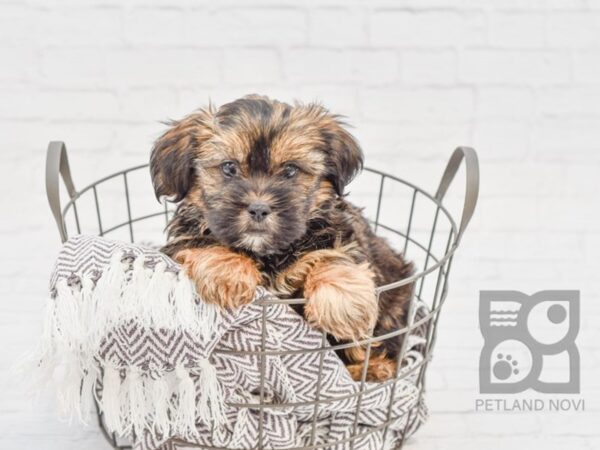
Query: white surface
{"x": 519, "y": 80}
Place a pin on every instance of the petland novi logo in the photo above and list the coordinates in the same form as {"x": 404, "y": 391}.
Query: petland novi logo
{"x": 529, "y": 343}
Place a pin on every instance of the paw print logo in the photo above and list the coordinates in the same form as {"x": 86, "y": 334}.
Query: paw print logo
{"x": 522, "y": 334}
{"x": 505, "y": 367}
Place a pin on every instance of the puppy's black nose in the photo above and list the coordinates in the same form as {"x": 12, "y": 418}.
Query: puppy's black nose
{"x": 259, "y": 211}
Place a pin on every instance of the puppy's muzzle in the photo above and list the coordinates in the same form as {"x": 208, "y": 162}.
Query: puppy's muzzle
{"x": 259, "y": 211}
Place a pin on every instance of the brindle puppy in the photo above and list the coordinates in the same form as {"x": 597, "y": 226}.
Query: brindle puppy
{"x": 260, "y": 185}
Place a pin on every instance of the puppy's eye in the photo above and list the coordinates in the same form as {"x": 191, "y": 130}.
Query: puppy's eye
{"x": 229, "y": 168}
{"x": 290, "y": 170}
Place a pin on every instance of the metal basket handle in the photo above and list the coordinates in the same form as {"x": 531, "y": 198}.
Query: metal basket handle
{"x": 472, "y": 189}
{"x": 57, "y": 163}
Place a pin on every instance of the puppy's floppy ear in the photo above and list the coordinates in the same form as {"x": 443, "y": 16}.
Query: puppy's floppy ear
{"x": 173, "y": 154}
{"x": 344, "y": 155}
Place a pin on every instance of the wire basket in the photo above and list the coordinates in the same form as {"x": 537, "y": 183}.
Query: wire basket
{"x": 427, "y": 235}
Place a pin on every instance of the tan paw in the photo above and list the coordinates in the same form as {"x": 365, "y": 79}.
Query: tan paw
{"x": 380, "y": 369}
{"x": 341, "y": 300}
{"x": 221, "y": 276}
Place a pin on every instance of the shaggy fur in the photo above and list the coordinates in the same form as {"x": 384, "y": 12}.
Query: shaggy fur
{"x": 260, "y": 187}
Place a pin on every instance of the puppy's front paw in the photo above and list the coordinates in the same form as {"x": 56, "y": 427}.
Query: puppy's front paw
{"x": 221, "y": 276}
{"x": 341, "y": 300}
{"x": 380, "y": 368}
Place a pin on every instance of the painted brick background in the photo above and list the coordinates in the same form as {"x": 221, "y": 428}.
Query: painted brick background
{"x": 517, "y": 79}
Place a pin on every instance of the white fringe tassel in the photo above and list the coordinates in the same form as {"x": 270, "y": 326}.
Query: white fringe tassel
{"x": 88, "y": 391}
{"x": 200, "y": 318}
{"x": 132, "y": 299}
{"x": 160, "y": 400}
{"x": 110, "y": 401}
{"x": 139, "y": 402}
{"x": 135, "y": 403}
{"x": 160, "y": 312}
{"x": 69, "y": 400}
{"x": 185, "y": 411}
{"x": 211, "y": 396}
{"x": 88, "y": 308}
{"x": 69, "y": 329}
{"x": 78, "y": 319}
{"x": 107, "y": 296}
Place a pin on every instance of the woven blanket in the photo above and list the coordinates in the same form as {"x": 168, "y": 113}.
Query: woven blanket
{"x": 123, "y": 323}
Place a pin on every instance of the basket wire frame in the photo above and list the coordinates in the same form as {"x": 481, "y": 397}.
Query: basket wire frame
{"x": 57, "y": 164}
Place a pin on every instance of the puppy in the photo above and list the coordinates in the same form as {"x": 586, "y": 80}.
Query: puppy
{"x": 260, "y": 185}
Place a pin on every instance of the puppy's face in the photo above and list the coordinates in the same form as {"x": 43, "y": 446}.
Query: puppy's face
{"x": 259, "y": 170}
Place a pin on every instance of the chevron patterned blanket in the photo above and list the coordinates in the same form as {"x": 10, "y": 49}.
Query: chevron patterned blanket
{"x": 124, "y": 328}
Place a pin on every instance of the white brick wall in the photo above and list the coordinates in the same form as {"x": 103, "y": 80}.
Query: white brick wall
{"x": 517, "y": 79}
